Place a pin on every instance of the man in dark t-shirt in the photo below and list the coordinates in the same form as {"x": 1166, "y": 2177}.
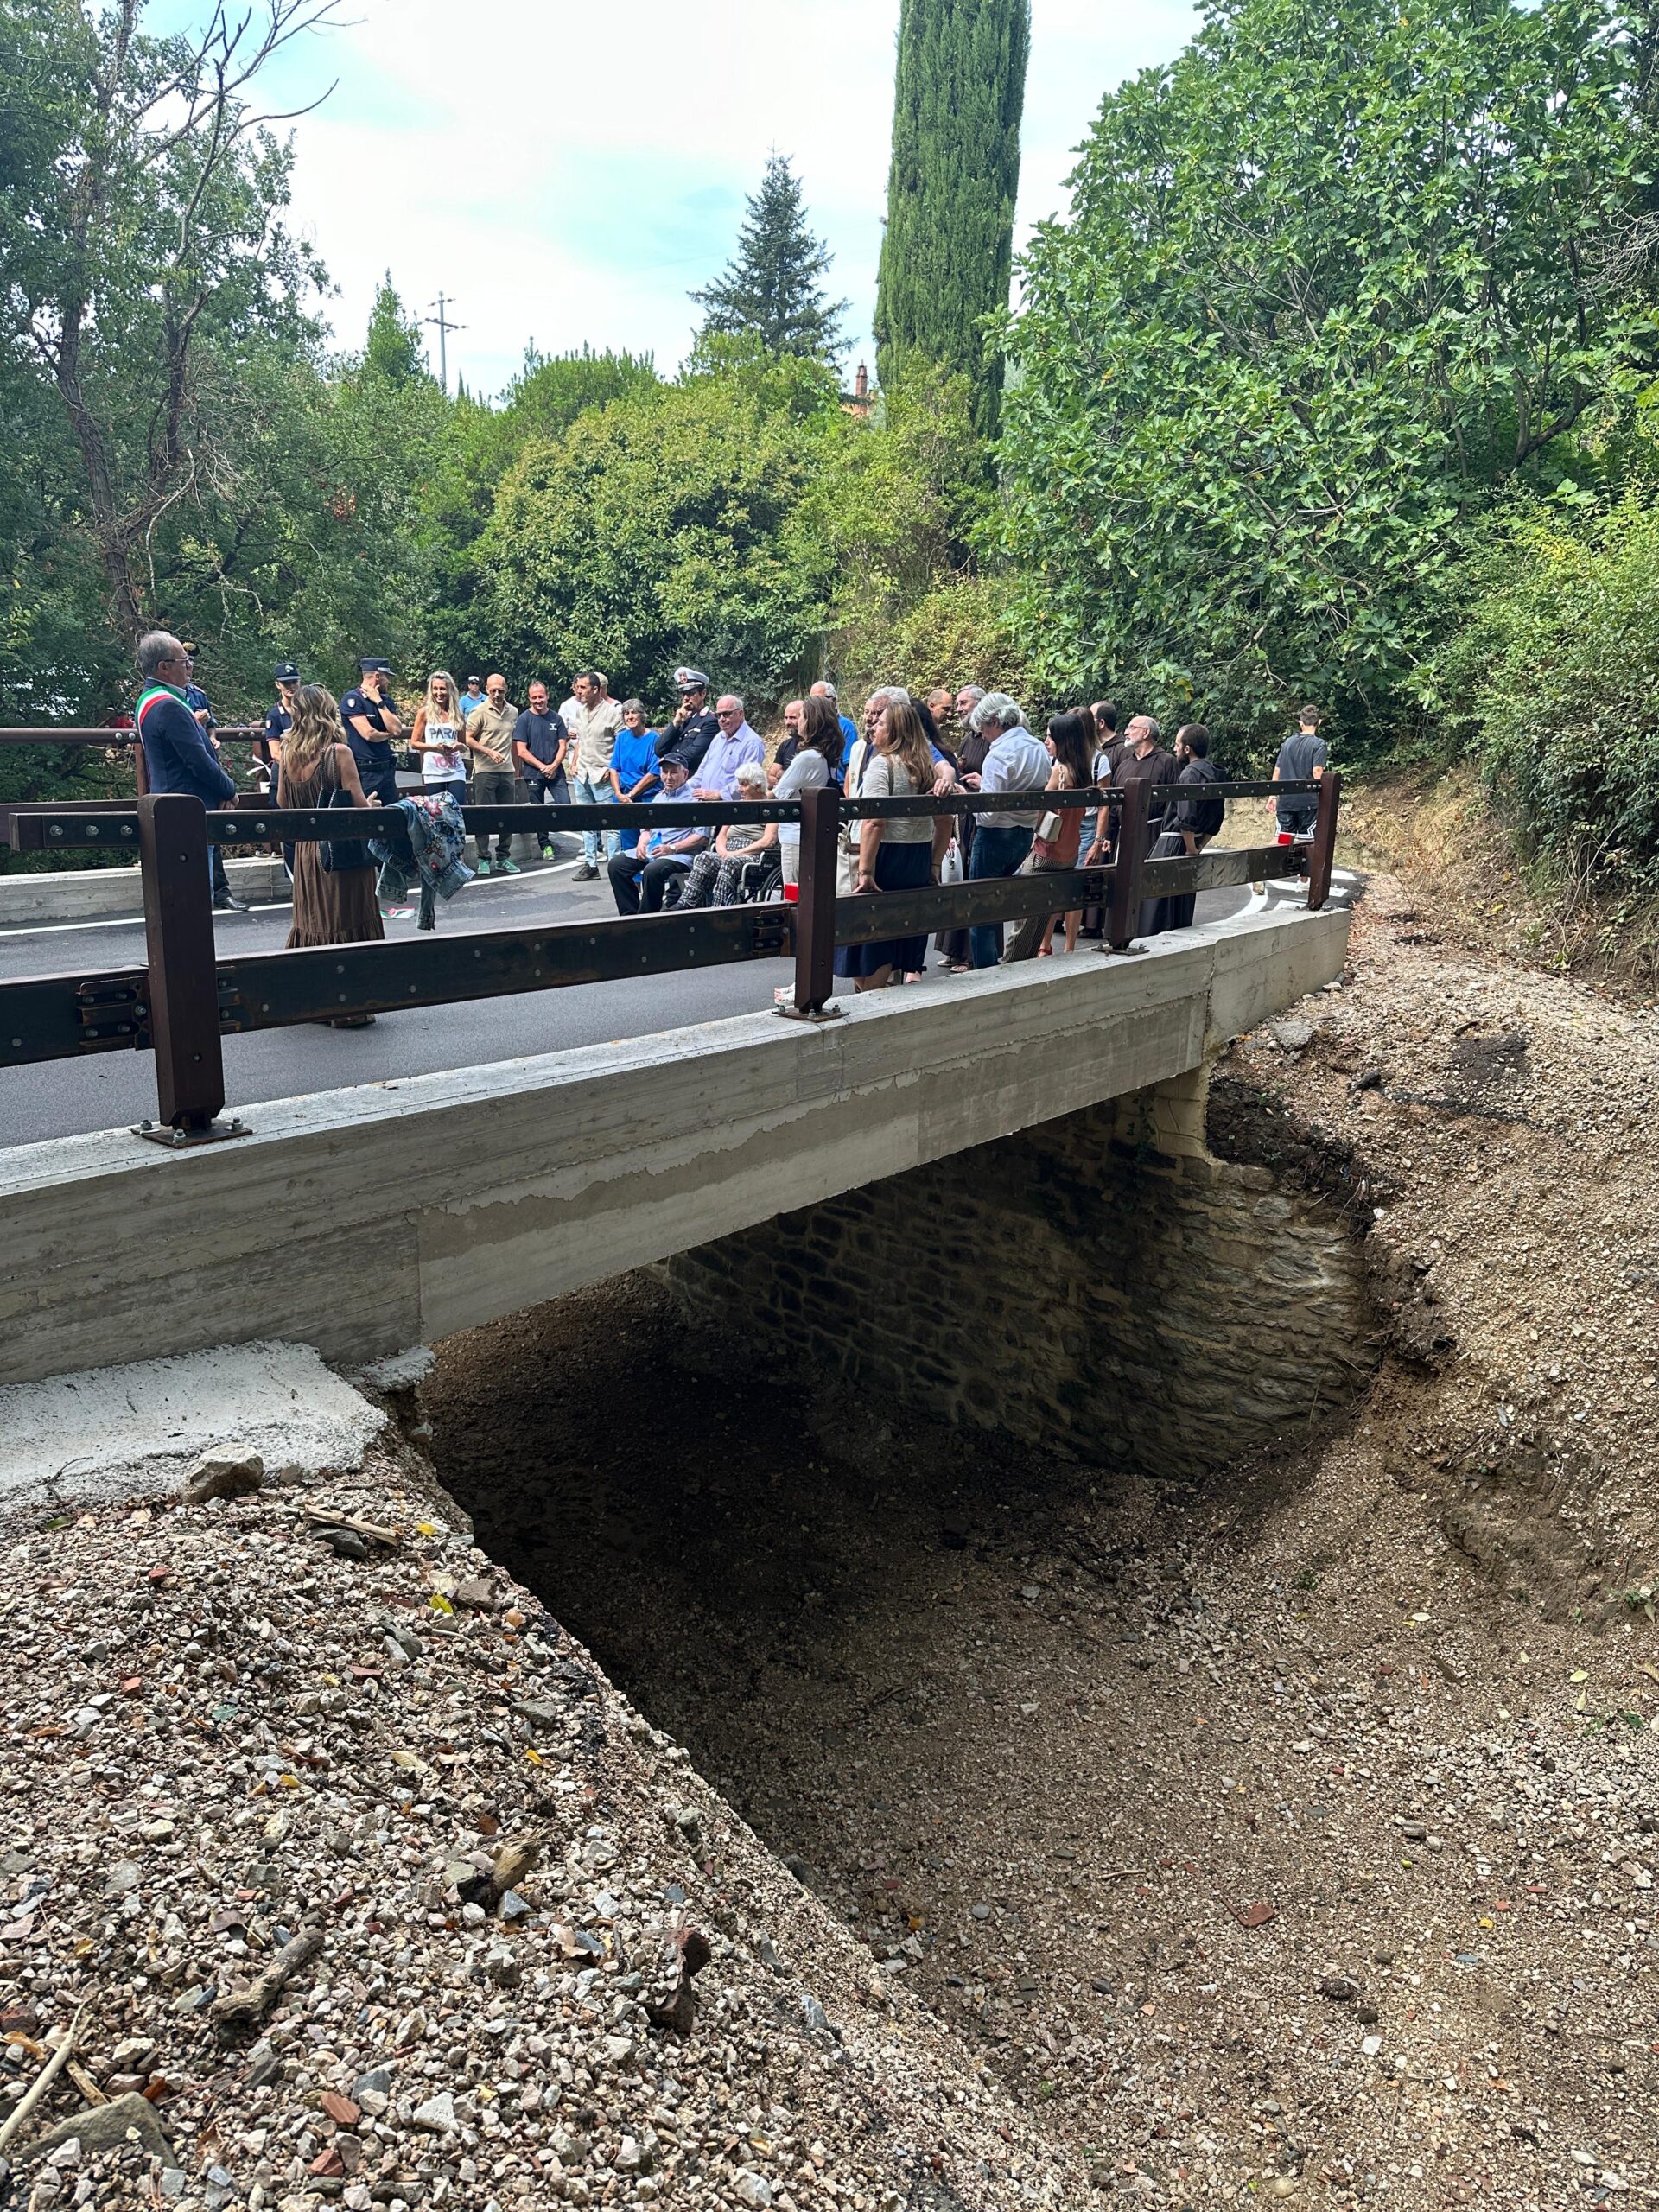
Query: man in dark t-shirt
{"x": 539, "y": 739}
{"x": 371, "y": 724}
{"x": 1304, "y": 754}
{"x": 1193, "y": 823}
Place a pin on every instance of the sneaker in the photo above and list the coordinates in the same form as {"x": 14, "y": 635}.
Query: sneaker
{"x": 483, "y": 867}
{"x": 396, "y": 913}
{"x": 547, "y": 852}
{"x": 511, "y": 868}
{"x": 586, "y": 873}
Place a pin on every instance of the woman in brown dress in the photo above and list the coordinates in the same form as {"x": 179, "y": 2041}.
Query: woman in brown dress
{"x": 329, "y": 908}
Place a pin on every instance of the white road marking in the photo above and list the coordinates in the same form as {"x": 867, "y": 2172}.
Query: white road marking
{"x": 269, "y": 906}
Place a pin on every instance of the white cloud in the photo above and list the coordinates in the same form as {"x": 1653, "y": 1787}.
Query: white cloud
{"x": 568, "y": 174}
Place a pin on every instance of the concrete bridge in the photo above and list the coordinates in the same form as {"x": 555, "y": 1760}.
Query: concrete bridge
{"x": 367, "y": 1220}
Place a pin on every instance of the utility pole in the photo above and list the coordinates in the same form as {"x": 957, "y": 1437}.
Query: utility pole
{"x": 442, "y": 324}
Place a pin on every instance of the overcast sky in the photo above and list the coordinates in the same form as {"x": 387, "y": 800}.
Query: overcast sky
{"x": 567, "y": 173}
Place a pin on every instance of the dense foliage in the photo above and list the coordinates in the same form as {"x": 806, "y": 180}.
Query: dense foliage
{"x": 947, "y": 251}
{"x": 659, "y": 528}
{"x": 1553, "y": 682}
{"x": 772, "y": 290}
{"x": 1336, "y": 282}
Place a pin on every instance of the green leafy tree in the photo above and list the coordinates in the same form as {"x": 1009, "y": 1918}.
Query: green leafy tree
{"x": 773, "y": 286}
{"x": 1550, "y": 681}
{"x": 892, "y": 506}
{"x": 657, "y": 530}
{"x": 1333, "y": 284}
{"x": 479, "y": 447}
{"x": 393, "y": 350}
{"x": 142, "y": 232}
{"x": 947, "y": 253}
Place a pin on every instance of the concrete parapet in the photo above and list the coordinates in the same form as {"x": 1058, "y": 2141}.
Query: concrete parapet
{"x": 367, "y": 1220}
{"x": 102, "y": 894}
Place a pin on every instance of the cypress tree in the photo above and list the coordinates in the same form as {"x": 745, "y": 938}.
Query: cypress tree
{"x": 947, "y": 255}
{"x": 772, "y": 286}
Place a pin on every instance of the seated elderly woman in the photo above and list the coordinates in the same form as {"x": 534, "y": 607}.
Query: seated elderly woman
{"x": 715, "y": 877}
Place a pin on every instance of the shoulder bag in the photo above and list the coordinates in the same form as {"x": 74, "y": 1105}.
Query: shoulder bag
{"x": 342, "y": 855}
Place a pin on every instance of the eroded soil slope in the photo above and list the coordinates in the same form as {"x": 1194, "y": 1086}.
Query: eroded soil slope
{"x": 1292, "y": 1835}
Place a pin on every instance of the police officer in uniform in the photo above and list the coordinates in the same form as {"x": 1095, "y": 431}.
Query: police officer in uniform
{"x": 694, "y": 728}
{"x": 268, "y": 749}
{"x": 371, "y": 724}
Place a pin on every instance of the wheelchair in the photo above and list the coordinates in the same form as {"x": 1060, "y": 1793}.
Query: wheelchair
{"x": 759, "y": 883}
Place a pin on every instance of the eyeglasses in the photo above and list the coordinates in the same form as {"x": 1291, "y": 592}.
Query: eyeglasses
{"x": 730, "y": 715}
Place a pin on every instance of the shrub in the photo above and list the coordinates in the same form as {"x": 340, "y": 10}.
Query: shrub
{"x": 1552, "y": 681}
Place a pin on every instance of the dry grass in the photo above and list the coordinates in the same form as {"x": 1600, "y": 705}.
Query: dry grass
{"x": 1433, "y": 829}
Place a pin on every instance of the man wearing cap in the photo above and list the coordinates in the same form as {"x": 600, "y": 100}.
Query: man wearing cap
{"x": 693, "y": 729}
{"x": 593, "y": 726}
{"x": 196, "y": 699}
{"x": 267, "y": 750}
{"x": 371, "y": 724}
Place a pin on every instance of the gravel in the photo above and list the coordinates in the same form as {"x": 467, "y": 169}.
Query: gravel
{"x": 262, "y": 1803}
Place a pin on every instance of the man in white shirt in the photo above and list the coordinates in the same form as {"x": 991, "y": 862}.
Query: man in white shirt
{"x": 1015, "y": 762}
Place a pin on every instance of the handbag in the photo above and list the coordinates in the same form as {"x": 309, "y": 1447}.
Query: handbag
{"x": 340, "y": 856}
{"x": 851, "y": 834}
{"x": 951, "y": 863}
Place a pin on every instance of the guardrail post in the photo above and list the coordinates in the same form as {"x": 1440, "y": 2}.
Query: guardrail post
{"x": 1322, "y": 852}
{"x": 183, "y": 983}
{"x": 815, "y": 910}
{"x": 1123, "y": 908}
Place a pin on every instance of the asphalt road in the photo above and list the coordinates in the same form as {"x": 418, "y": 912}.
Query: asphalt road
{"x": 108, "y": 1089}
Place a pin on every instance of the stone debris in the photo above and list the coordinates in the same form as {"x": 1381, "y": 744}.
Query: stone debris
{"x": 233, "y": 1471}
{"x": 358, "y": 1865}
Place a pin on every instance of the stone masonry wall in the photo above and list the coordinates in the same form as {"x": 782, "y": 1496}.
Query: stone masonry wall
{"x": 1100, "y": 1282}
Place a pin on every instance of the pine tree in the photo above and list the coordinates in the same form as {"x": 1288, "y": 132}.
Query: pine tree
{"x": 772, "y": 286}
{"x": 393, "y": 349}
{"x": 947, "y": 255}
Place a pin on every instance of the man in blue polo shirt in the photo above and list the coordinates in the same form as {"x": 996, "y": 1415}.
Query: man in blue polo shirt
{"x": 371, "y": 724}
{"x": 639, "y": 877}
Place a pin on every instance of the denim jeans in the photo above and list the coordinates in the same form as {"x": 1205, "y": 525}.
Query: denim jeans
{"x": 996, "y": 852}
{"x": 546, "y": 790}
{"x": 584, "y": 793}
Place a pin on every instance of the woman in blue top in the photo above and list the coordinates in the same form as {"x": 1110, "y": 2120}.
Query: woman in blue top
{"x": 634, "y": 758}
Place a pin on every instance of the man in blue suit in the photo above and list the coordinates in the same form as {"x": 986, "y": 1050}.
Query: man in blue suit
{"x": 177, "y": 755}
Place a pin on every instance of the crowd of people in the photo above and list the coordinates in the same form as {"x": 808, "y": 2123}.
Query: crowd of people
{"x": 473, "y": 745}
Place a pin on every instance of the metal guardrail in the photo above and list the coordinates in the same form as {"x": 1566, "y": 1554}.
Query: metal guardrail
{"x": 186, "y": 999}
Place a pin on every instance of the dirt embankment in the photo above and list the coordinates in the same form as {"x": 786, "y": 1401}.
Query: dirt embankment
{"x": 1435, "y": 829}
{"x": 1292, "y": 1834}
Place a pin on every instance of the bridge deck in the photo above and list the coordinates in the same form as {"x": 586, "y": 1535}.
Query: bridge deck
{"x": 367, "y": 1220}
